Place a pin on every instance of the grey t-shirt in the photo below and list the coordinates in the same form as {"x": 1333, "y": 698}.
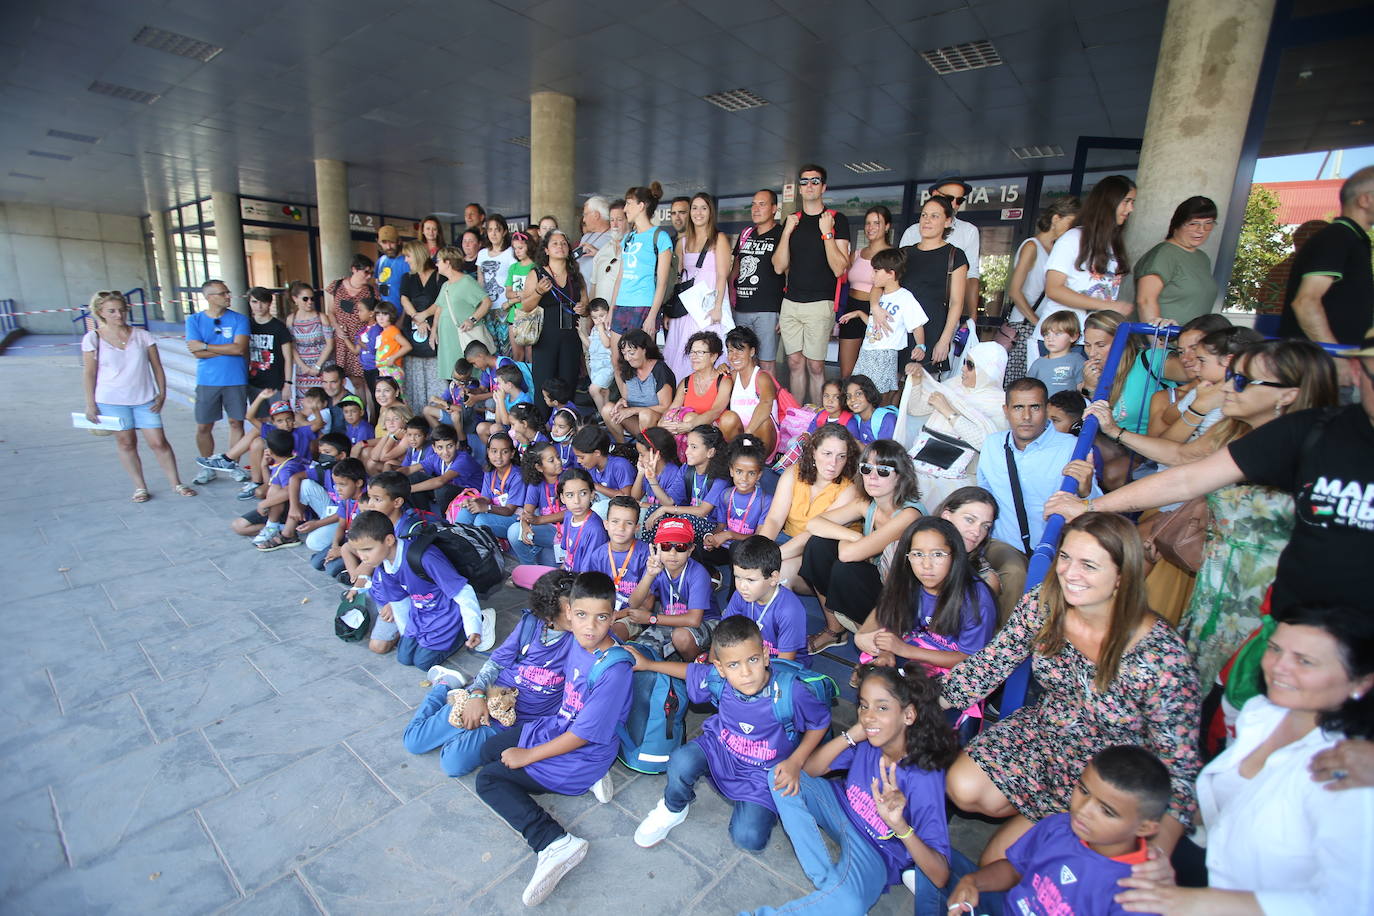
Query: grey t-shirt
{"x": 1064, "y": 373}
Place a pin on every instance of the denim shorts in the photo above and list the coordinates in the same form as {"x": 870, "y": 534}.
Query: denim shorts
{"x": 135, "y": 416}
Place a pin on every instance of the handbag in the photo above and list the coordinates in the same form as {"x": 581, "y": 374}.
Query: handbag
{"x": 937, "y": 452}
{"x": 1181, "y": 537}
{"x": 675, "y": 307}
{"x": 527, "y": 327}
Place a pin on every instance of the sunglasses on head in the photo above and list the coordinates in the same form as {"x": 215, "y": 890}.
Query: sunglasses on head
{"x": 676, "y": 548}
{"x": 882, "y": 470}
{"x": 1240, "y": 382}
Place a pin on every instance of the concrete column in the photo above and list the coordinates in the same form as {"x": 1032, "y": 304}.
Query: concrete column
{"x": 552, "y": 128}
{"x": 233, "y": 266}
{"x": 164, "y": 257}
{"x": 331, "y": 196}
{"x": 1209, "y": 62}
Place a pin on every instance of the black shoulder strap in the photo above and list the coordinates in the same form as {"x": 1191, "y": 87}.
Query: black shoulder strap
{"x": 1018, "y": 498}
{"x": 421, "y": 537}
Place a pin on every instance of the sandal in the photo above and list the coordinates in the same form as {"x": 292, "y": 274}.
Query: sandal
{"x": 278, "y": 541}
{"x": 182, "y": 490}
{"x": 826, "y": 639}
{"x": 141, "y": 495}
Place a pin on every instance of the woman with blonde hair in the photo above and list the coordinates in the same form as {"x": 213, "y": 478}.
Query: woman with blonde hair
{"x": 420, "y": 289}
{"x": 123, "y": 378}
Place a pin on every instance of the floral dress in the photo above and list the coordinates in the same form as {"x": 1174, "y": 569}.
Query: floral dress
{"x": 1250, "y": 527}
{"x": 308, "y": 334}
{"x": 1034, "y": 755}
{"x": 347, "y": 324}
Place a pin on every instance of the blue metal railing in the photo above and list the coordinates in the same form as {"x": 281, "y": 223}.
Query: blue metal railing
{"x": 8, "y": 322}
{"x": 136, "y": 297}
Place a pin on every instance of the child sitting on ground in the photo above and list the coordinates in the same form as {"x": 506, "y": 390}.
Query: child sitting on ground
{"x": 759, "y": 595}
{"x": 502, "y": 493}
{"x": 390, "y": 446}
{"x": 527, "y": 428}
{"x": 321, "y": 415}
{"x": 530, "y": 662}
{"x": 389, "y": 494}
{"x": 253, "y": 442}
{"x": 448, "y": 407}
{"x": 536, "y": 525}
{"x": 581, "y": 530}
{"x": 325, "y": 536}
{"x": 624, "y": 556}
{"x": 512, "y": 389}
{"x": 356, "y": 428}
{"x": 705, "y": 478}
{"x": 265, "y": 523}
{"x": 564, "y": 424}
{"x": 440, "y": 606}
{"x": 312, "y": 487}
{"x": 556, "y": 393}
{"x": 749, "y": 754}
{"x": 1071, "y": 862}
{"x": 680, "y": 588}
{"x": 1062, "y": 368}
{"x": 443, "y": 473}
{"x": 658, "y": 470}
{"x": 611, "y": 474}
{"x": 743, "y": 507}
{"x": 569, "y": 752}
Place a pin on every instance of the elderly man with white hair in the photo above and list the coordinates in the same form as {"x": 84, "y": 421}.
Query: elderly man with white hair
{"x": 596, "y": 232}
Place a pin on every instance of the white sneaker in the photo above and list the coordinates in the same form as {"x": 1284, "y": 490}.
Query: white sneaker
{"x": 488, "y": 630}
{"x": 655, "y": 828}
{"x": 266, "y": 534}
{"x": 446, "y": 676}
{"x": 559, "y": 858}
{"x": 909, "y": 879}
{"x": 205, "y": 476}
{"x": 604, "y": 789}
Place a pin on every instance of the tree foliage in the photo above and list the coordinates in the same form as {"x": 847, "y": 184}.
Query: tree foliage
{"x": 1262, "y": 246}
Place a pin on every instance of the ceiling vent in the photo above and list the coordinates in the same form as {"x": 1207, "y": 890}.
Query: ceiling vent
{"x": 1049, "y": 151}
{"x": 867, "y": 168}
{"x": 14, "y": 174}
{"x": 41, "y": 154}
{"x": 68, "y": 135}
{"x": 971, "y": 55}
{"x": 124, "y": 92}
{"x": 736, "y": 100}
{"x": 180, "y": 45}
{"x": 519, "y": 141}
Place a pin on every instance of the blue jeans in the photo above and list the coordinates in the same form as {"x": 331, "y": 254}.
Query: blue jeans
{"x": 540, "y": 553}
{"x": 498, "y": 525}
{"x": 750, "y": 824}
{"x": 854, "y": 883}
{"x": 410, "y": 652}
{"x": 331, "y": 568}
{"x": 460, "y": 749}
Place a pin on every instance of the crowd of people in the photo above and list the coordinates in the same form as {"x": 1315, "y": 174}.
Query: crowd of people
{"x": 606, "y": 406}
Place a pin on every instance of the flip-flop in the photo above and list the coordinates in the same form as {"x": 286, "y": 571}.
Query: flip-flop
{"x": 141, "y": 495}
{"x": 182, "y": 490}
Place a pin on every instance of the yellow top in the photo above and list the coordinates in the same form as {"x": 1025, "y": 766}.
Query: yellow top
{"x": 806, "y": 505}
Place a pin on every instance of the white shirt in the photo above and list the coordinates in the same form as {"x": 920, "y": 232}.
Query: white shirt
{"x": 907, "y": 316}
{"x": 962, "y": 235}
{"x": 1302, "y": 850}
{"x": 1063, "y": 258}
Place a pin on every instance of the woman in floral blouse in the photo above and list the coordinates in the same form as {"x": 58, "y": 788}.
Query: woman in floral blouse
{"x": 1110, "y": 672}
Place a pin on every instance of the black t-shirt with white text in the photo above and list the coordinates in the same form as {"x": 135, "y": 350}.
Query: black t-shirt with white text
{"x": 1341, "y": 252}
{"x": 809, "y": 277}
{"x": 266, "y": 362}
{"x": 758, "y": 288}
{"x": 1328, "y": 554}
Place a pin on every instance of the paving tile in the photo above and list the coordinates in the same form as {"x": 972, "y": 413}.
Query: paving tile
{"x": 294, "y": 663}
{"x": 284, "y": 897}
{"x": 270, "y": 735}
{"x": 200, "y": 580}
{"x": 233, "y": 632}
{"x": 109, "y": 671}
{"x": 56, "y": 750}
{"x": 145, "y": 621}
{"x": 61, "y": 641}
{"x": 408, "y": 775}
{"x": 273, "y": 825}
{"x": 102, "y": 806}
{"x": 745, "y": 886}
{"x": 26, "y": 700}
{"x": 36, "y": 569}
{"x": 126, "y": 555}
{"x": 201, "y": 698}
{"x": 33, "y": 848}
{"x": 703, "y": 835}
{"x": 169, "y": 868}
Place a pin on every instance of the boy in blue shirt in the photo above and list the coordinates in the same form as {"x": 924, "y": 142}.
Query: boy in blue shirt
{"x": 440, "y": 605}
{"x": 681, "y": 589}
{"x": 568, "y": 752}
{"x": 1071, "y": 863}
{"x": 760, "y": 596}
{"x": 745, "y": 750}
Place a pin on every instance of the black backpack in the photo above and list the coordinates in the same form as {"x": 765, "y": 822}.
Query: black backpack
{"x": 473, "y": 551}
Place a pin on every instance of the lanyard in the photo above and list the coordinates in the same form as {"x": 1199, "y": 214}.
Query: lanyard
{"x": 767, "y": 607}
{"x": 745, "y": 514}
{"x": 443, "y": 467}
{"x": 500, "y": 491}
{"x": 349, "y": 511}
{"x": 697, "y": 494}
{"x": 550, "y": 494}
{"x": 618, "y": 574}
{"x": 674, "y": 591}
{"x": 572, "y": 549}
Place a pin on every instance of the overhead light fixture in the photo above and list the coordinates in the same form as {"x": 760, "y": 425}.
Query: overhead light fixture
{"x": 68, "y": 135}
{"x": 1049, "y": 151}
{"x": 42, "y": 154}
{"x": 867, "y": 168}
{"x": 14, "y": 174}
{"x": 124, "y": 92}
{"x": 736, "y": 100}
{"x": 173, "y": 43}
{"x": 519, "y": 141}
{"x": 971, "y": 55}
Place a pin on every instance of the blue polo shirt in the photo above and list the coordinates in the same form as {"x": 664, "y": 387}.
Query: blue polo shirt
{"x": 389, "y": 273}
{"x": 1040, "y": 466}
{"x": 219, "y": 371}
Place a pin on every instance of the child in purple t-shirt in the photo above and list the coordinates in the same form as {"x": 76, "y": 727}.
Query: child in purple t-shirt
{"x": 623, "y": 557}
{"x": 570, "y": 751}
{"x": 743, "y": 507}
{"x": 445, "y": 471}
{"x": 269, "y": 524}
{"x": 760, "y": 596}
{"x": 1071, "y": 863}
{"x": 530, "y": 662}
{"x": 611, "y": 474}
{"x": 748, "y": 753}
{"x": 502, "y": 493}
{"x": 681, "y": 587}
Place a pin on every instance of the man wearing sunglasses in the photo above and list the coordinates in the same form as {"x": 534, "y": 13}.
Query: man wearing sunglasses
{"x": 962, "y": 235}
{"x": 218, "y": 338}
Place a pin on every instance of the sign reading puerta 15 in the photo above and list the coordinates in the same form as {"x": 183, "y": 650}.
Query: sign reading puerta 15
{"x": 998, "y": 194}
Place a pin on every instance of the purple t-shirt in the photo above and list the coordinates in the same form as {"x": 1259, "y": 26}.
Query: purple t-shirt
{"x": 699, "y": 488}
{"x": 689, "y": 590}
{"x": 507, "y": 491}
{"x": 617, "y": 473}
{"x": 435, "y": 621}
{"x": 974, "y": 630}
{"x": 1060, "y": 876}
{"x": 880, "y": 425}
{"x": 282, "y": 472}
{"x": 742, "y": 513}
{"x": 625, "y": 567}
{"x": 925, "y": 805}
{"x": 414, "y": 456}
{"x": 361, "y": 431}
{"x": 488, "y": 376}
{"x": 538, "y": 675}
{"x": 745, "y": 739}
{"x": 591, "y": 713}
{"x": 781, "y": 620}
{"x": 468, "y": 470}
{"x": 367, "y": 342}
{"x": 670, "y": 479}
{"x": 301, "y": 437}
{"x": 576, "y": 541}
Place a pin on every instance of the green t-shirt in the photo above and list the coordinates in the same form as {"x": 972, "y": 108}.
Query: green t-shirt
{"x": 1189, "y": 289}
{"x": 515, "y": 279}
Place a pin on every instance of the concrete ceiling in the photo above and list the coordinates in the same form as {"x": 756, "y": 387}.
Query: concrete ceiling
{"x": 422, "y": 98}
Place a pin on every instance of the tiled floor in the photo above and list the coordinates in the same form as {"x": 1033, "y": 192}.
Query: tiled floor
{"x": 181, "y": 732}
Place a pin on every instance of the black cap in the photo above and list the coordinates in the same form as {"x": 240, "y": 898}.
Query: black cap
{"x": 951, "y": 178}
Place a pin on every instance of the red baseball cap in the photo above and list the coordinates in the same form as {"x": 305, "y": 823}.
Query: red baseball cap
{"x": 279, "y": 407}
{"x": 674, "y": 531}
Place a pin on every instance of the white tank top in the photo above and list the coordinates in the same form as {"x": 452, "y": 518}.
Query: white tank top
{"x": 1035, "y": 277}
{"x": 745, "y": 397}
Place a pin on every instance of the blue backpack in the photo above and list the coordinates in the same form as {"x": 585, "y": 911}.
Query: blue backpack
{"x": 785, "y": 673}
{"x": 657, "y": 722}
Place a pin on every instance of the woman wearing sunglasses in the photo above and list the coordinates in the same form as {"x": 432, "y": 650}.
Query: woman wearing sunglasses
{"x": 1250, "y": 525}
{"x": 844, "y": 566}
{"x": 312, "y": 333}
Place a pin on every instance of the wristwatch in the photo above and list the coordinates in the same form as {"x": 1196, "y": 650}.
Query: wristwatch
{"x": 653, "y": 620}
{"x": 827, "y": 236}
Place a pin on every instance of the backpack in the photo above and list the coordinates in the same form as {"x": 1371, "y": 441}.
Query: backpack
{"x": 614, "y": 656}
{"x": 657, "y": 722}
{"x": 349, "y": 632}
{"x": 473, "y": 551}
{"x": 793, "y": 418}
{"x": 785, "y": 673}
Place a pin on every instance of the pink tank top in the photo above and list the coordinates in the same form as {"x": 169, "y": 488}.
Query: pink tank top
{"x": 861, "y": 274}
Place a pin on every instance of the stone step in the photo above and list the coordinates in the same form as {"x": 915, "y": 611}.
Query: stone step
{"x": 180, "y": 368}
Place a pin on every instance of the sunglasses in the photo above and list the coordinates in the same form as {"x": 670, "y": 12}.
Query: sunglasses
{"x": 882, "y": 470}
{"x": 1240, "y": 382}
{"x": 806, "y": 181}
{"x": 958, "y": 200}
{"x": 676, "y": 548}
